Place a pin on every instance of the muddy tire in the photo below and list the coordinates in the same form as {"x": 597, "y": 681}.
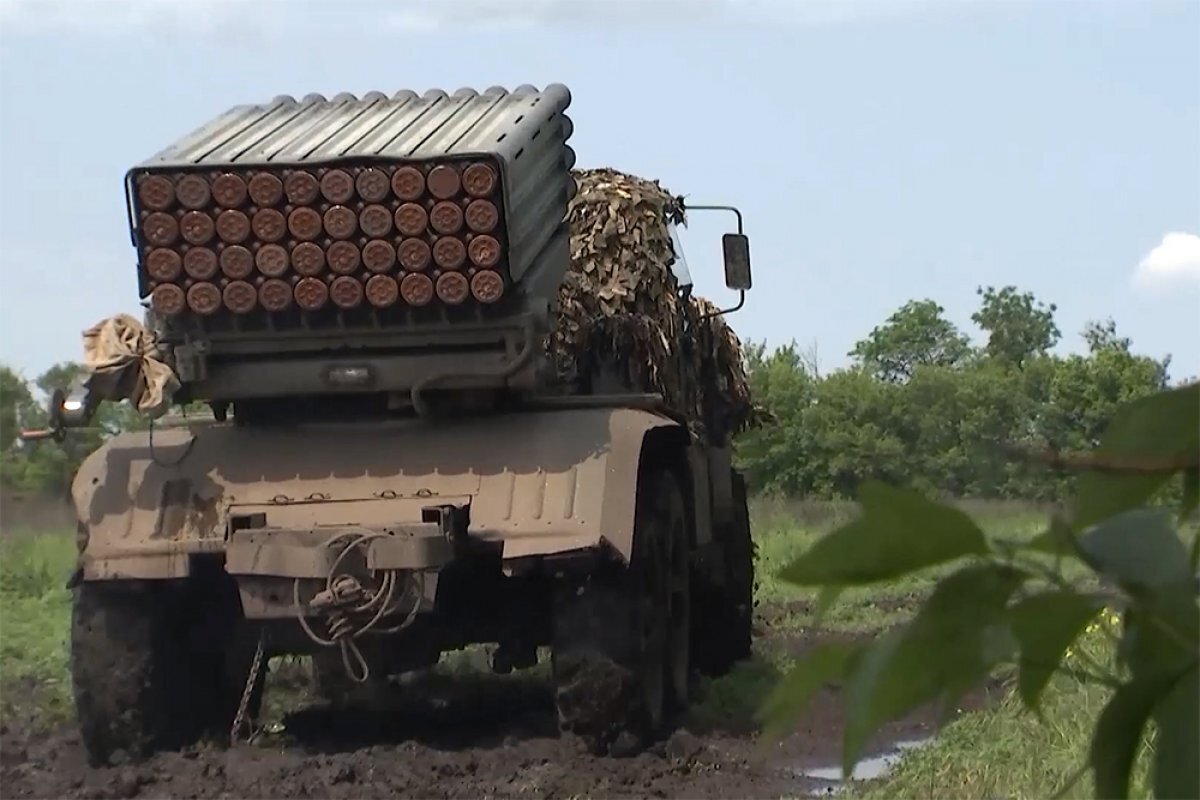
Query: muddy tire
{"x": 618, "y": 655}
{"x": 723, "y": 627}
{"x": 151, "y": 671}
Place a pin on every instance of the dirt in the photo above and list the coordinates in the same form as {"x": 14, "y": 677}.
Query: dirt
{"x": 448, "y": 736}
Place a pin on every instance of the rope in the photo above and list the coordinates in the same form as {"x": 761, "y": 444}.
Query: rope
{"x": 344, "y": 599}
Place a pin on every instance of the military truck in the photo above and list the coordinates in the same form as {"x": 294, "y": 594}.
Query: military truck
{"x": 359, "y": 290}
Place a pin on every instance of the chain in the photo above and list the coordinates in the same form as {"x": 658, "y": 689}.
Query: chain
{"x": 239, "y": 719}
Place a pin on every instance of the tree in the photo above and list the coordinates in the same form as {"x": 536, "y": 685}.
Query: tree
{"x": 1103, "y": 336}
{"x": 916, "y": 335}
{"x": 17, "y": 408}
{"x": 48, "y": 466}
{"x": 1018, "y": 326}
{"x": 921, "y": 415}
{"x": 773, "y": 455}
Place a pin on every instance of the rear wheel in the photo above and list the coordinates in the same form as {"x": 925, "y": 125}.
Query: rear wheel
{"x": 723, "y": 635}
{"x": 156, "y": 667}
{"x": 620, "y": 655}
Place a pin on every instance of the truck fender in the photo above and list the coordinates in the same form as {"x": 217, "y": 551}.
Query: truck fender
{"x": 536, "y": 482}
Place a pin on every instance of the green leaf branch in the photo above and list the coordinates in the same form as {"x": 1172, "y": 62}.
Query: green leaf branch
{"x": 1010, "y": 604}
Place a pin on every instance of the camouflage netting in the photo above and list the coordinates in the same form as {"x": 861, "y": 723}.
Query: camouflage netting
{"x": 123, "y": 362}
{"x": 620, "y": 307}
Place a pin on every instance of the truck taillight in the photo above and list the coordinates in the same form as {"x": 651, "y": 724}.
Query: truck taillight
{"x": 243, "y": 241}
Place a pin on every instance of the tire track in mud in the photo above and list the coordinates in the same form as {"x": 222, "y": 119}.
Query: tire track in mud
{"x": 442, "y": 737}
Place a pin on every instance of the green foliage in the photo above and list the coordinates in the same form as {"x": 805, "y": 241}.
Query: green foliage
{"x": 897, "y": 533}
{"x": 1045, "y": 625}
{"x": 47, "y": 466}
{"x": 955, "y": 639}
{"x": 1148, "y": 440}
{"x": 793, "y": 693}
{"x": 922, "y": 409}
{"x": 1015, "y": 605}
{"x": 1003, "y": 751}
{"x": 1175, "y": 716}
{"x": 34, "y": 608}
{"x": 915, "y": 336}
{"x": 1019, "y": 328}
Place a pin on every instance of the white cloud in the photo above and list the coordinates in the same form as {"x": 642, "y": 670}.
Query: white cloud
{"x": 130, "y": 16}
{"x": 1174, "y": 262}
{"x": 231, "y": 17}
{"x": 428, "y": 14}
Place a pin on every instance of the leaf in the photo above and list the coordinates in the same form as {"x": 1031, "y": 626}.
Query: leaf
{"x": 1162, "y": 632}
{"x": 1162, "y": 427}
{"x": 1191, "y": 494}
{"x": 953, "y": 642}
{"x": 898, "y": 532}
{"x": 1177, "y": 747}
{"x": 825, "y": 600}
{"x": 789, "y": 698}
{"x": 1045, "y": 625}
{"x": 1139, "y": 548}
{"x": 1118, "y": 734}
{"x": 1055, "y": 540}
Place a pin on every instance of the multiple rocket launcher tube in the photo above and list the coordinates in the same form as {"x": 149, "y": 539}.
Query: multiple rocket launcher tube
{"x": 381, "y": 235}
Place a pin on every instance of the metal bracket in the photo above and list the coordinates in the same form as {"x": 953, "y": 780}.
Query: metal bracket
{"x": 741, "y": 292}
{"x": 454, "y": 520}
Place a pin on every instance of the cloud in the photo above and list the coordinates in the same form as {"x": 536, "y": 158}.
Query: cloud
{"x": 1174, "y": 262}
{"x": 131, "y": 16}
{"x": 229, "y": 17}
{"x": 432, "y": 14}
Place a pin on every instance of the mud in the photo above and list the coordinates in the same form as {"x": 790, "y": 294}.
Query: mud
{"x": 448, "y": 735}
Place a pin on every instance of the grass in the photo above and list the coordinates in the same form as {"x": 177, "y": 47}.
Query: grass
{"x": 1001, "y": 751}
{"x": 1007, "y": 751}
{"x": 1004, "y": 751}
{"x": 34, "y": 618}
{"x": 785, "y": 529}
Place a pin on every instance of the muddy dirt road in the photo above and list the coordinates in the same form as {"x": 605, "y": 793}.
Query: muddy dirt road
{"x": 450, "y": 736}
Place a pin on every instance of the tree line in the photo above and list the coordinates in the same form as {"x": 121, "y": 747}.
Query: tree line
{"x": 919, "y": 406}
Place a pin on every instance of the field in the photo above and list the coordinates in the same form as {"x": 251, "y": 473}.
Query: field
{"x": 460, "y": 731}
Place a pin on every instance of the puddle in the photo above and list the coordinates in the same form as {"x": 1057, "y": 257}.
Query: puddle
{"x": 827, "y": 780}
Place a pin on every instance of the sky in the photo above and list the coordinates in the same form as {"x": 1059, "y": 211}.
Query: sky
{"x": 880, "y": 150}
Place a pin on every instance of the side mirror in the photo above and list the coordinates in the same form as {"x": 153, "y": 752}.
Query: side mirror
{"x": 736, "y": 247}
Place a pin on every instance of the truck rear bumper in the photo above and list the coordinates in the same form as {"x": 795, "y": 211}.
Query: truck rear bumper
{"x": 311, "y": 553}
{"x": 303, "y": 554}
{"x": 534, "y": 483}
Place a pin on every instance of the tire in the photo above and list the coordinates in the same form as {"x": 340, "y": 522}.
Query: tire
{"x": 151, "y": 670}
{"x": 617, "y": 655}
{"x": 723, "y": 632}
{"x": 679, "y": 603}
